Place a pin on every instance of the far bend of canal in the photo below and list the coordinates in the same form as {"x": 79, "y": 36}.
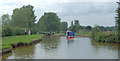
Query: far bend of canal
{"x": 62, "y": 48}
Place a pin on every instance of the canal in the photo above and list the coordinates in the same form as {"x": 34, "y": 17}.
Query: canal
{"x": 61, "y": 48}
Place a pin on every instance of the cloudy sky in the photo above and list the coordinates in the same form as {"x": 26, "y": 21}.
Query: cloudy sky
{"x": 88, "y": 12}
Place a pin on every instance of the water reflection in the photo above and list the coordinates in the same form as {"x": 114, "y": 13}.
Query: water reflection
{"x": 6, "y": 55}
{"x": 22, "y": 52}
{"x": 110, "y": 46}
{"x": 70, "y": 41}
{"x": 62, "y": 48}
{"x": 50, "y": 43}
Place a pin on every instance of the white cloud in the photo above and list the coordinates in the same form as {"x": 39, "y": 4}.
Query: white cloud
{"x": 68, "y": 10}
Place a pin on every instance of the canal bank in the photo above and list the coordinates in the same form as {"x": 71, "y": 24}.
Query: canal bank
{"x": 51, "y": 47}
{"x": 62, "y": 48}
{"x": 76, "y": 34}
{"x": 10, "y": 42}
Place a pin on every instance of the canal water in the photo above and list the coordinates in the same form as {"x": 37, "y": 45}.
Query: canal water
{"x": 62, "y": 48}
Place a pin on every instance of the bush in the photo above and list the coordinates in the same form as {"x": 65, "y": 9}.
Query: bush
{"x": 20, "y": 31}
{"x": 33, "y": 31}
{"x": 106, "y": 37}
{"x": 8, "y": 31}
{"x": 112, "y": 38}
{"x": 100, "y": 37}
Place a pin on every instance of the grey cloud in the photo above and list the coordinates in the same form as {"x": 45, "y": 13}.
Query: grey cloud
{"x": 89, "y": 13}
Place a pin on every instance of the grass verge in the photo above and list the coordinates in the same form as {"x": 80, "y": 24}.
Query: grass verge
{"x": 83, "y": 33}
{"x": 8, "y": 40}
{"x": 59, "y": 33}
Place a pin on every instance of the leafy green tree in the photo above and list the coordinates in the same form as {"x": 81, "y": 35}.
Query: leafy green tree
{"x": 76, "y": 22}
{"x": 71, "y": 23}
{"x": 88, "y": 27}
{"x": 49, "y": 22}
{"x": 118, "y": 22}
{"x": 76, "y": 27}
{"x": 64, "y": 26}
{"x": 6, "y": 25}
{"x": 95, "y": 30}
{"x": 5, "y": 20}
{"x": 0, "y": 27}
{"x": 23, "y": 17}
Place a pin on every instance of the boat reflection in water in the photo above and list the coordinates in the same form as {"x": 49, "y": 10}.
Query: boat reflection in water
{"x": 70, "y": 40}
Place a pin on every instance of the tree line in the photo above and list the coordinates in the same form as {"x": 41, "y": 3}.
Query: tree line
{"x": 76, "y": 27}
{"x": 24, "y": 18}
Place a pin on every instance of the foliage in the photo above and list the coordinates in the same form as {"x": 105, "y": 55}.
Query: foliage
{"x": 104, "y": 36}
{"x": 102, "y": 28}
{"x": 10, "y": 31}
{"x": 110, "y": 37}
{"x": 5, "y": 20}
{"x": 71, "y": 23}
{"x": 49, "y": 22}
{"x": 118, "y": 22}
{"x": 76, "y": 22}
{"x": 94, "y": 32}
{"x": 76, "y": 27}
{"x": 23, "y": 17}
{"x": 88, "y": 28}
{"x": 64, "y": 26}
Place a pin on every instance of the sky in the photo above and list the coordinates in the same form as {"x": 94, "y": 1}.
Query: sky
{"x": 88, "y": 12}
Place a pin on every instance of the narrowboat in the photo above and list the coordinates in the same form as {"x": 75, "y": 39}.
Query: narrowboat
{"x": 70, "y": 34}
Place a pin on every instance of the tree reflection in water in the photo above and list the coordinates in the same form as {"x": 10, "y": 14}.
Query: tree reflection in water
{"x": 23, "y": 52}
{"x": 50, "y": 43}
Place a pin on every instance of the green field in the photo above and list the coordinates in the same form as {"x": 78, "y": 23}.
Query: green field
{"x": 59, "y": 33}
{"x": 8, "y": 40}
{"x": 83, "y": 33}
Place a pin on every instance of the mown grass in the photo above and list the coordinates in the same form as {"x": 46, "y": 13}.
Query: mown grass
{"x": 59, "y": 33}
{"x": 8, "y": 40}
{"x": 82, "y": 33}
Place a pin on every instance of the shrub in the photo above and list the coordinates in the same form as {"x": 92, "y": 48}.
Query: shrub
{"x": 8, "y": 31}
{"x": 105, "y": 37}
{"x": 20, "y": 31}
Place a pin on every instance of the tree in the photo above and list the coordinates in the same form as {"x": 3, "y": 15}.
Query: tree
{"x": 5, "y": 19}
{"x": 94, "y": 31}
{"x": 76, "y": 22}
{"x": 49, "y": 22}
{"x": 23, "y": 17}
{"x": 0, "y": 27}
{"x": 64, "y": 26}
{"x": 71, "y": 23}
{"x": 118, "y": 20}
{"x": 88, "y": 27}
{"x": 76, "y": 27}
